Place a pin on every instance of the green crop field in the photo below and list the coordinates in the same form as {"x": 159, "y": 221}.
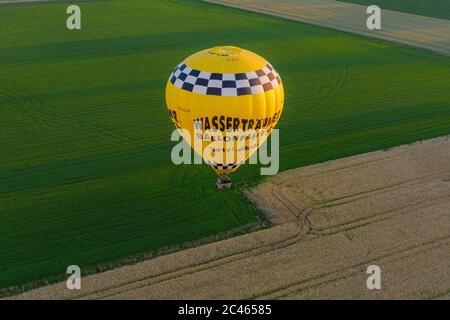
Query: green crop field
{"x": 430, "y": 8}
{"x": 85, "y": 170}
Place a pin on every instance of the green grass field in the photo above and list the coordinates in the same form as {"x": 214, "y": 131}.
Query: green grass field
{"x": 85, "y": 170}
{"x": 430, "y": 8}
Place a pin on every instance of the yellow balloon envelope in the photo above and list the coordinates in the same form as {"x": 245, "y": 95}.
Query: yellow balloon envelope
{"x": 227, "y": 100}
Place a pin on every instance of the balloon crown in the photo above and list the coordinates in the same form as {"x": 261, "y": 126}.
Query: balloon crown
{"x": 225, "y": 51}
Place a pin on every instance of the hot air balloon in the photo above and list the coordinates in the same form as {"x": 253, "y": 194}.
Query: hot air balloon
{"x": 227, "y": 100}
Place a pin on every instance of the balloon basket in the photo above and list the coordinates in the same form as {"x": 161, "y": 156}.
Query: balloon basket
{"x": 223, "y": 183}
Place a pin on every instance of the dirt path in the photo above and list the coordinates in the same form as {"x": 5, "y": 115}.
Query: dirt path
{"x": 413, "y": 30}
{"x": 333, "y": 220}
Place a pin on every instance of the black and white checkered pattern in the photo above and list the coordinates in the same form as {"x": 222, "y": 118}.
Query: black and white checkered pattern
{"x": 229, "y": 166}
{"x": 226, "y": 84}
{"x": 221, "y": 166}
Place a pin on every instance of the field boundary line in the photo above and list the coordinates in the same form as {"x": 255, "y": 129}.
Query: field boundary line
{"x": 431, "y": 34}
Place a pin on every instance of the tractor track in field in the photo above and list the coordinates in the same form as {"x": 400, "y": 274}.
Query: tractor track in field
{"x": 329, "y": 223}
{"x": 31, "y": 109}
{"x": 178, "y": 273}
{"x": 39, "y": 117}
{"x": 350, "y": 271}
{"x": 338, "y": 83}
{"x": 9, "y": 105}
